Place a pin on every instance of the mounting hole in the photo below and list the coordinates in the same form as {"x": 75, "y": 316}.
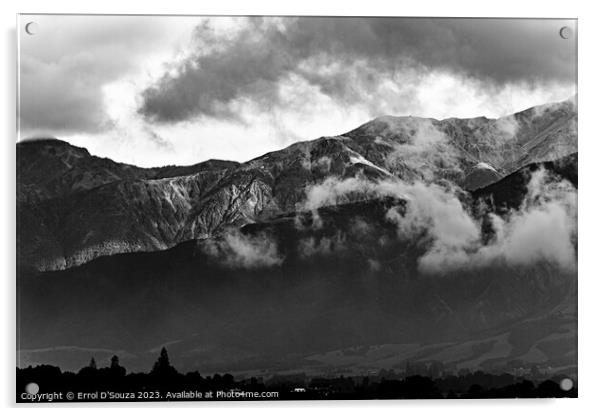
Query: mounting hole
{"x": 31, "y": 28}
{"x": 566, "y": 384}
{"x": 32, "y": 388}
{"x": 566, "y": 32}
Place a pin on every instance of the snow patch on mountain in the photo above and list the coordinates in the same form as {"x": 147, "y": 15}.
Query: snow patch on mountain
{"x": 483, "y": 165}
{"x": 357, "y": 158}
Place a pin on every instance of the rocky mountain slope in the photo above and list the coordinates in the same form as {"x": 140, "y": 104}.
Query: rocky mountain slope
{"x": 74, "y": 207}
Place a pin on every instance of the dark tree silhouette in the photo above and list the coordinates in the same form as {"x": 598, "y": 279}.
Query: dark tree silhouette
{"x": 162, "y": 367}
{"x": 114, "y": 361}
{"x": 88, "y": 375}
{"x": 115, "y": 369}
{"x": 90, "y": 369}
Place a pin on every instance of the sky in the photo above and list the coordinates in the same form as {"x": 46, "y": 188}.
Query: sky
{"x": 154, "y": 91}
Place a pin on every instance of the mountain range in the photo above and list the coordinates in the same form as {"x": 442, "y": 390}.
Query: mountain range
{"x": 74, "y": 207}
{"x": 403, "y": 239}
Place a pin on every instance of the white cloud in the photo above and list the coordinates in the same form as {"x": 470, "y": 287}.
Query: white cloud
{"x": 237, "y": 250}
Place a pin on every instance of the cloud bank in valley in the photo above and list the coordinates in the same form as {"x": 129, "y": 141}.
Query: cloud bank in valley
{"x": 543, "y": 228}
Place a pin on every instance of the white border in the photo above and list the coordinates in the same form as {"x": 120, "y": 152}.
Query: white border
{"x": 590, "y": 199}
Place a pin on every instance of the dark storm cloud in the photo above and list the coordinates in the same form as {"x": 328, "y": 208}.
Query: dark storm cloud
{"x": 347, "y": 58}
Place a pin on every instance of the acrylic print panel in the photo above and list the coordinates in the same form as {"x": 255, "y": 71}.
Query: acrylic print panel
{"x": 283, "y": 208}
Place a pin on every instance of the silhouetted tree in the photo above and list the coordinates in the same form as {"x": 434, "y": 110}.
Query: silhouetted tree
{"x": 162, "y": 367}
{"x": 114, "y": 361}
{"x": 90, "y": 369}
{"x": 115, "y": 369}
{"x": 88, "y": 375}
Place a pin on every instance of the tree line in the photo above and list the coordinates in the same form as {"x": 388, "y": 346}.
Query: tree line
{"x": 163, "y": 377}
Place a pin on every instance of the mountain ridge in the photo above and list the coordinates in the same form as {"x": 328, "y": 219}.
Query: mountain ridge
{"x": 101, "y": 207}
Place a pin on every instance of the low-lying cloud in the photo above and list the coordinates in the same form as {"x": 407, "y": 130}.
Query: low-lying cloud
{"x": 237, "y": 250}
{"x": 543, "y": 228}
